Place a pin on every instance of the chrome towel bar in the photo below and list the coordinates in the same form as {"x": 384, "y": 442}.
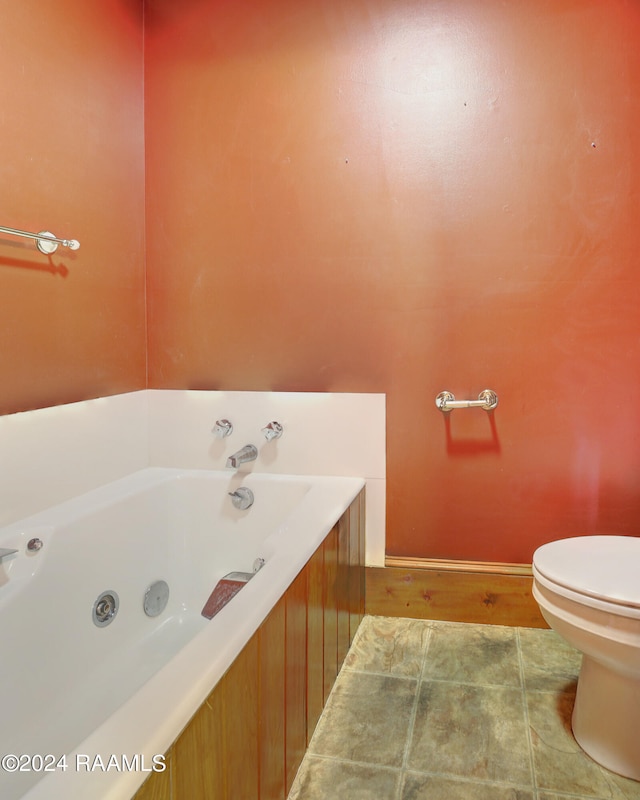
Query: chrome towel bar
{"x": 46, "y": 242}
{"x": 487, "y": 400}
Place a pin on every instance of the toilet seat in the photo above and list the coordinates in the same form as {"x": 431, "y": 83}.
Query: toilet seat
{"x": 599, "y": 571}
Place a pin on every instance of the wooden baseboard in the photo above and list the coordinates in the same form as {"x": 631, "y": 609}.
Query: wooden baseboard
{"x": 442, "y": 564}
{"x": 479, "y": 592}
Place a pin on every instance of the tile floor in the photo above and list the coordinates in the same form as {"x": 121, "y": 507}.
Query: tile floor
{"x": 449, "y": 711}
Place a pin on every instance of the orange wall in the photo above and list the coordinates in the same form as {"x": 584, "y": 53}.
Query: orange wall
{"x": 72, "y": 325}
{"x": 371, "y": 195}
{"x": 407, "y": 196}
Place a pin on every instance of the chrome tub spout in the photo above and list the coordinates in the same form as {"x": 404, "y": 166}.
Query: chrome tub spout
{"x": 248, "y": 453}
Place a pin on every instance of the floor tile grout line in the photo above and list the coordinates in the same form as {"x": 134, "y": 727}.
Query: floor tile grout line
{"x": 527, "y": 721}
{"x": 381, "y": 674}
{"x": 433, "y": 773}
{"x": 414, "y": 713}
{"x": 472, "y": 781}
{"x": 354, "y": 762}
{"x": 439, "y": 680}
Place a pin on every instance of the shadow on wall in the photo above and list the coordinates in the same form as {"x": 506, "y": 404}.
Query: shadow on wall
{"x": 50, "y": 267}
{"x": 34, "y": 259}
{"x": 471, "y": 446}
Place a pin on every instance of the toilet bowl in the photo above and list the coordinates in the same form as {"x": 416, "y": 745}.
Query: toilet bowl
{"x": 588, "y": 590}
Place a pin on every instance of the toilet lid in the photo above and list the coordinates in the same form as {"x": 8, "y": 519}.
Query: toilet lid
{"x": 604, "y": 567}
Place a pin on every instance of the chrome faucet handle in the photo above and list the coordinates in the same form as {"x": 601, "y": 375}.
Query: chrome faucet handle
{"x": 242, "y": 498}
{"x": 222, "y": 428}
{"x": 272, "y": 431}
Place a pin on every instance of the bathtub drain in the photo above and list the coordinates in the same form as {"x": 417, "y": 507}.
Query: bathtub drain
{"x": 105, "y": 608}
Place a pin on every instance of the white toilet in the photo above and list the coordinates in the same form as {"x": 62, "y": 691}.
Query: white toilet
{"x": 588, "y": 590}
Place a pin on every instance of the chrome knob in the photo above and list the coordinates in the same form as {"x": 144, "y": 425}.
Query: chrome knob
{"x": 33, "y": 545}
{"x": 272, "y": 431}
{"x": 222, "y": 428}
{"x": 242, "y": 498}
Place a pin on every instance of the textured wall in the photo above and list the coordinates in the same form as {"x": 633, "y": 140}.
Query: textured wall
{"x": 72, "y": 325}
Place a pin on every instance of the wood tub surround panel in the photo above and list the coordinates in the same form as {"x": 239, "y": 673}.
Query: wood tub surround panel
{"x": 295, "y": 675}
{"x": 272, "y": 703}
{"x": 247, "y": 739}
{"x": 315, "y": 641}
{"x": 357, "y": 554}
{"x": 342, "y": 587}
{"x": 329, "y": 587}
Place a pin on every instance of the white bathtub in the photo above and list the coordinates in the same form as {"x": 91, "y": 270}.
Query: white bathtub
{"x": 109, "y": 699}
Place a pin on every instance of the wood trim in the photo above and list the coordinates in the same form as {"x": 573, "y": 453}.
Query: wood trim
{"x": 442, "y": 564}
{"x": 453, "y": 595}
